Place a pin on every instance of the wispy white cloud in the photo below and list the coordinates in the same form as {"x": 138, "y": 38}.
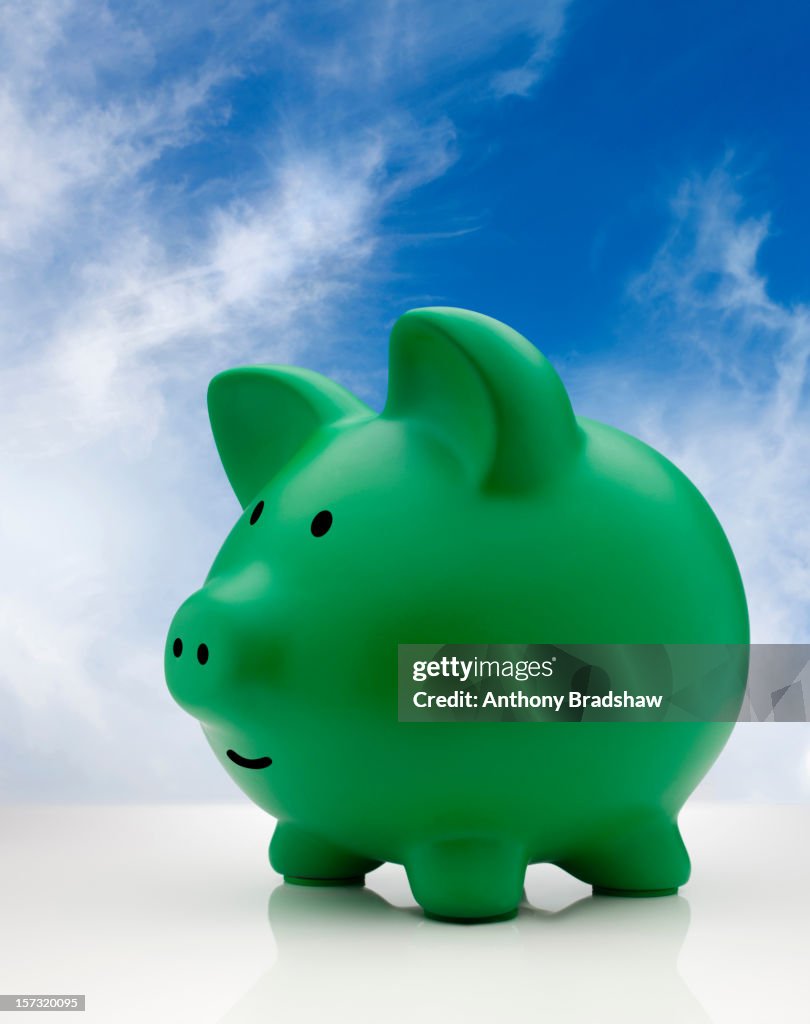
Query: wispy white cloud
{"x": 732, "y": 405}
{"x": 523, "y": 78}
{"x": 75, "y": 131}
{"x": 129, "y": 273}
{"x": 715, "y": 375}
{"x": 142, "y": 316}
{"x": 403, "y": 48}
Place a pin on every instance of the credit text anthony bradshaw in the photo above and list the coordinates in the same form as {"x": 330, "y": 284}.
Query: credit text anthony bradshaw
{"x": 518, "y": 699}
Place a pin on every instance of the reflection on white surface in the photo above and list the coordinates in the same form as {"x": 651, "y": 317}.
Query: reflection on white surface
{"x": 352, "y": 952}
{"x": 161, "y": 914}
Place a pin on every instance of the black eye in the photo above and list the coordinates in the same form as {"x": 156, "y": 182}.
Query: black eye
{"x": 321, "y": 523}
{"x": 254, "y": 515}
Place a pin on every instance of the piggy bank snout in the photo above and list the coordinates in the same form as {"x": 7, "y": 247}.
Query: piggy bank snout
{"x": 217, "y": 636}
{"x": 193, "y": 632}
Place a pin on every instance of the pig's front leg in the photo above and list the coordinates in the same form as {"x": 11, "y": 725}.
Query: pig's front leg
{"x": 472, "y": 878}
{"x": 307, "y": 859}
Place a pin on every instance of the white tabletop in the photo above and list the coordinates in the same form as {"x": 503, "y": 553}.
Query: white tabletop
{"x": 172, "y": 913}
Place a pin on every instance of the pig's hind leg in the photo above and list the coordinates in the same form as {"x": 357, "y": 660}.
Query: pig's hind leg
{"x": 643, "y": 855}
{"x": 307, "y": 859}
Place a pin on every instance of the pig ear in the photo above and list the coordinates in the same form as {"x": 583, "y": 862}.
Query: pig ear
{"x": 262, "y": 415}
{"x": 486, "y": 391}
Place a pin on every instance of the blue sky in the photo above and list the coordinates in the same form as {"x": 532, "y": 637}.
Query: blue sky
{"x": 187, "y": 187}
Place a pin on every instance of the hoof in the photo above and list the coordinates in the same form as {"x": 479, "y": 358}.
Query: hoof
{"x": 492, "y": 919}
{"x": 353, "y": 880}
{"x": 598, "y": 890}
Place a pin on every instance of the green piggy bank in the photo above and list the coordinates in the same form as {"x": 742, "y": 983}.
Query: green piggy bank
{"x": 476, "y": 508}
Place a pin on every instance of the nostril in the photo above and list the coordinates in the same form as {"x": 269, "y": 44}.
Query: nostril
{"x": 177, "y": 647}
{"x": 202, "y": 653}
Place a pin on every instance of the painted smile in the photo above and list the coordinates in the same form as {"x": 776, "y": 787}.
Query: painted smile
{"x": 249, "y": 762}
